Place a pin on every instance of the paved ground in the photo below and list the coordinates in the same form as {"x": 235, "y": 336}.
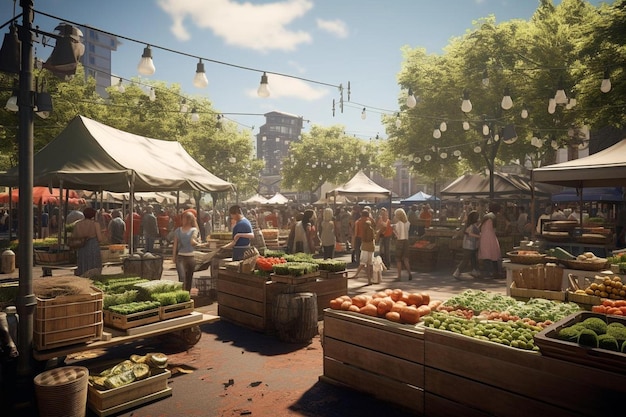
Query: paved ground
{"x": 234, "y": 371}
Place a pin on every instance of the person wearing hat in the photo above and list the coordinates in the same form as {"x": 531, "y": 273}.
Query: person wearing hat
{"x": 88, "y": 257}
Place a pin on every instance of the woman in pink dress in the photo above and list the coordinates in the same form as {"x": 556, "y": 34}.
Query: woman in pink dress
{"x": 489, "y": 247}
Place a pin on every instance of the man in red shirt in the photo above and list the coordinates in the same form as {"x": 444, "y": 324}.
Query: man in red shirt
{"x": 136, "y": 229}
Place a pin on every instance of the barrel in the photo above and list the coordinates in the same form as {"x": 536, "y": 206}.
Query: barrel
{"x": 295, "y": 317}
{"x": 8, "y": 261}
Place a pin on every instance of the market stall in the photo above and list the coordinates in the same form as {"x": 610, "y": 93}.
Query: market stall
{"x": 105, "y": 158}
{"x": 475, "y": 354}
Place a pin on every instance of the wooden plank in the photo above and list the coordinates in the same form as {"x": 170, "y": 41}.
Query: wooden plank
{"x": 378, "y": 386}
{"x": 402, "y": 341}
{"x": 491, "y": 400}
{"x": 378, "y": 363}
{"x": 241, "y": 318}
{"x": 238, "y": 303}
{"x": 120, "y": 337}
{"x": 242, "y": 289}
{"x": 436, "y": 406}
{"x": 165, "y": 324}
{"x": 529, "y": 375}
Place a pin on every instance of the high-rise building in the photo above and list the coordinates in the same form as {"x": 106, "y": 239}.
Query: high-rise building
{"x": 97, "y": 57}
{"x": 272, "y": 145}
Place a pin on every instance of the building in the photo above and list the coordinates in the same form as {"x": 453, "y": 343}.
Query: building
{"x": 272, "y": 146}
{"x": 97, "y": 57}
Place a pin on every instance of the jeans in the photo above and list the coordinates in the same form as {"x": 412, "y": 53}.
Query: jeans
{"x": 185, "y": 267}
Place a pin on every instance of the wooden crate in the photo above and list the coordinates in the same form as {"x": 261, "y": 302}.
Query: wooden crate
{"x": 116, "y": 400}
{"x": 389, "y": 356}
{"x": 67, "y": 320}
{"x": 492, "y": 379}
{"x": 528, "y": 293}
{"x": 330, "y": 275}
{"x": 127, "y": 321}
{"x": 247, "y": 299}
{"x": 176, "y": 310}
{"x": 54, "y": 258}
{"x": 423, "y": 260}
{"x": 295, "y": 280}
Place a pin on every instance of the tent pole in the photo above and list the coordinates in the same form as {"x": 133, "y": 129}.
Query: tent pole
{"x": 131, "y": 214}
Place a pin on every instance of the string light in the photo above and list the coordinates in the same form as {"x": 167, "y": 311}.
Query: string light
{"x": 411, "y": 101}
{"x": 200, "y": 80}
{"x": 605, "y": 86}
{"x": 466, "y": 104}
{"x": 146, "y": 65}
{"x": 264, "y": 89}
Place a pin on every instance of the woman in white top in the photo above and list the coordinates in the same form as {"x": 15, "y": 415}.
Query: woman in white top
{"x": 401, "y": 231}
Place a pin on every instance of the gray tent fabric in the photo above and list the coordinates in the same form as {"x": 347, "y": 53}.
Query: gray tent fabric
{"x": 606, "y": 168}
{"x": 91, "y": 155}
{"x": 361, "y": 185}
{"x": 506, "y": 186}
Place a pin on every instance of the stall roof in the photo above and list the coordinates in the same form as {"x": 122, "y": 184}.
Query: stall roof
{"x": 601, "y": 194}
{"x": 606, "y": 168}
{"x": 90, "y": 155}
{"x": 361, "y": 185}
{"x": 506, "y": 186}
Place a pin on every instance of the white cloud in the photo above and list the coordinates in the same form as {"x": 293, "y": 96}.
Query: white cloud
{"x": 336, "y": 27}
{"x": 282, "y": 87}
{"x": 260, "y": 27}
{"x": 297, "y": 67}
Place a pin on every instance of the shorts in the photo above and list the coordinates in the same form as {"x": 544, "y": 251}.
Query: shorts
{"x": 367, "y": 258}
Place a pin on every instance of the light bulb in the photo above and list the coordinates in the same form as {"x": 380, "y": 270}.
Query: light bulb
{"x": 264, "y": 89}
{"x": 200, "y": 80}
{"x": 410, "y": 100}
{"x": 443, "y": 126}
{"x": 146, "y": 66}
{"x": 12, "y": 104}
{"x": 195, "y": 117}
{"x": 524, "y": 113}
{"x": 427, "y": 158}
{"x": 398, "y": 122}
{"x": 443, "y": 155}
{"x": 456, "y": 153}
{"x": 183, "y": 106}
{"x": 485, "y": 129}
{"x": 43, "y": 114}
{"x": 485, "y": 80}
{"x": 477, "y": 149}
{"x": 551, "y": 106}
{"x": 466, "y": 104}
{"x": 436, "y": 133}
{"x": 466, "y": 125}
{"x": 507, "y": 101}
{"x": 560, "y": 97}
{"x": 152, "y": 94}
{"x": 363, "y": 114}
{"x": 417, "y": 159}
{"x": 605, "y": 87}
{"x": 120, "y": 86}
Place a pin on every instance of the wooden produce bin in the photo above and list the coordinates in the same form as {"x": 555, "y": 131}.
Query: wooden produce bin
{"x": 470, "y": 377}
{"x": 375, "y": 356}
{"x": 67, "y": 320}
{"x": 247, "y": 299}
{"x": 423, "y": 259}
{"x": 116, "y": 400}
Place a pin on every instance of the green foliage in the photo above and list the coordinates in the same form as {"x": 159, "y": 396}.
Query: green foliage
{"x": 327, "y": 154}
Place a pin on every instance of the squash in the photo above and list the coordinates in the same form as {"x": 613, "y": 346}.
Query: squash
{"x": 369, "y": 310}
{"x": 393, "y": 316}
{"x": 410, "y": 315}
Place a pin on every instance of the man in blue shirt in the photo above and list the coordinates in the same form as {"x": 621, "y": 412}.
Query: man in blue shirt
{"x": 242, "y": 233}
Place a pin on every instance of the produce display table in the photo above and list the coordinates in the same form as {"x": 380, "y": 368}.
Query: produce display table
{"x": 119, "y": 337}
{"x": 248, "y": 299}
{"x": 441, "y": 373}
{"x": 423, "y": 259}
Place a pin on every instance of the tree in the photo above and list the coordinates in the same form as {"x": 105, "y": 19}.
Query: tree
{"x": 529, "y": 59}
{"x": 327, "y": 154}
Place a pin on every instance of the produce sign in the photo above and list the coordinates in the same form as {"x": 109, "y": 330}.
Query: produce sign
{"x": 517, "y": 334}
{"x": 395, "y": 305}
{"x": 266, "y": 263}
{"x": 134, "y": 369}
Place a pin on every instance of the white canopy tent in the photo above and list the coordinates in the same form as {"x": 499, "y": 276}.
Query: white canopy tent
{"x": 277, "y": 198}
{"x": 361, "y": 186}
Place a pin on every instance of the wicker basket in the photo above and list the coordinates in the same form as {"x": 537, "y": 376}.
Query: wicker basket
{"x": 585, "y": 266}
{"x": 526, "y": 259}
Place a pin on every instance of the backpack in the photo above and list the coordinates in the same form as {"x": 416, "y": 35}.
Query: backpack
{"x": 368, "y": 232}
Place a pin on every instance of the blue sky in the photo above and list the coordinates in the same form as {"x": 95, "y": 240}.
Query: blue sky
{"x": 329, "y": 41}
